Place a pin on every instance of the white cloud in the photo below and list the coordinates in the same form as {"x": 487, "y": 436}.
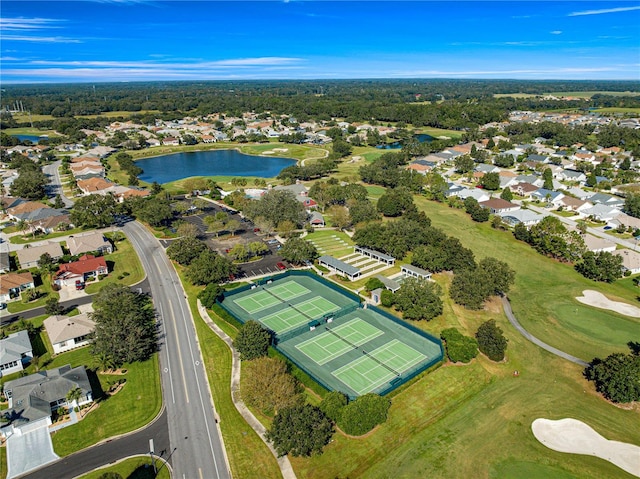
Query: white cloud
{"x": 542, "y": 71}
{"x": 603, "y": 11}
{"x": 556, "y": 32}
{"x": 216, "y": 64}
{"x": 23, "y": 38}
{"x": 21, "y": 24}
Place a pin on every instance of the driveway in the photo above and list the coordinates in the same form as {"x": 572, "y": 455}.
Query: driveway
{"x": 29, "y": 451}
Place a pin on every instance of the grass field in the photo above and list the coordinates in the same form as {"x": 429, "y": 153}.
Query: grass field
{"x": 333, "y": 243}
{"x": 133, "y": 468}
{"x": 559, "y": 320}
{"x": 27, "y": 130}
{"x": 618, "y": 110}
{"x": 576, "y": 94}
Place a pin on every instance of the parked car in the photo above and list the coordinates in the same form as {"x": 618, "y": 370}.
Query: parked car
{"x": 3, "y": 305}
{"x": 79, "y": 285}
{"x": 256, "y": 230}
{"x": 281, "y": 266}
{"x": 273, "y": 241}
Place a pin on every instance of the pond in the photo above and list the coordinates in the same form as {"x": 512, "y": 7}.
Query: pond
{"x": 396, "y": 145}
{"x": 31, "y": 138}
{"x": 177, "y": 166}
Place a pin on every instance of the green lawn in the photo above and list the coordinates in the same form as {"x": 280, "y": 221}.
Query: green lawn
{"x": 327, "y": 244}
{"x": 133, "y": 468}
{"x": 248, "y": 455}
{"x": 587, "y": 333}
{"x": 135, "y": 405}
{"x": 44, "y": 287}
{"x": 126, "y": 265}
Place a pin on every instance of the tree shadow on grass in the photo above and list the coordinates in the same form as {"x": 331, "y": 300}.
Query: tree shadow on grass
{"x": 143, "y": 472}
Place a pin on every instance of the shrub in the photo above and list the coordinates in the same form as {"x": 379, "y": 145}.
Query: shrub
{"x": 459, "y": 348}
{"x": 386, "y": 298}
{"x": 252, "y": 341}
{"x": 373, "y": 283}
{"x": 491, "y": 341}
{"x": 333, "y": 404}
{"x": 363, "y": 414}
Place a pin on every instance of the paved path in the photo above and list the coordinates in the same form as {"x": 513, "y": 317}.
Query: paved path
{"x": 283, "y": 462}
{"x": 512, "y": 319}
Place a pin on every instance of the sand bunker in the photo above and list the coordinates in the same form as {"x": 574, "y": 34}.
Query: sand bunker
{"x": 599, "y": 300}
{"x": 573, "y": 436}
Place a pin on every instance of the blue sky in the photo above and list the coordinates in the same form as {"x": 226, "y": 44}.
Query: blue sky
{"x": 138, "y": 40}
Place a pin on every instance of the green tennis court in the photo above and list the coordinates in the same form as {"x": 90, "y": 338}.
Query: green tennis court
{"x": 294, "y": 316}
{"x": 317, "y": 307}
{"x": 257, "y": 302}
{"x": 270, "y": 296}
{"x": 287, "y": 290}
{"x": 379, "y": 366}
{"x": 284, "y": 320}
{"x": 335, "y": 342}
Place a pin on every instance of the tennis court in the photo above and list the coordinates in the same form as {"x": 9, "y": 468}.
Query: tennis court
{"x": 335, "y": 342}
{"x": 331, "y": 336}
{"x": 378, "y": 367}
{"x": 270, "y": 296}
{"x": 294, "y": 316}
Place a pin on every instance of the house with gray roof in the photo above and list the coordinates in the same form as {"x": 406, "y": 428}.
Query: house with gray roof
{"x": 33, "y": 398}
{"x": 526, "y": 217}
{"x": 609, "y": 200}
{"x": 15, "y": 352}
{"x": 389, "y": 283}
{"x": 28, "y": 257}
{"x": 548, "y": 196}
{"x": 408, "y": 270}
{"x": 5, "y": 264}
{"x": 89, "y": 242}
{"x": 571, "y": 175}
{"x": 69, "y": 332}
{"x": 597, "y": 245}
{"x": 602, "y": 212}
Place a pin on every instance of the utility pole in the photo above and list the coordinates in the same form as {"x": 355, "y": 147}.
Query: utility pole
{"x": 153, "y": 459}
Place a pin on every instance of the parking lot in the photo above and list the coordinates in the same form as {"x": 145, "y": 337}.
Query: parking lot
{"x": 270, "y": 263}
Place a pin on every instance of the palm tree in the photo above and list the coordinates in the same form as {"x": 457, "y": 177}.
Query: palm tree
{"x": 73, "y": 395}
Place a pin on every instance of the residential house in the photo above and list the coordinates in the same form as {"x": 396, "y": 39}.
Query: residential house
{"x": 570, "y": 203}
{"x": 67, "y": 333}
{"x": 538, "y": 159}
{"x": 454, "y": 189}
{"x": 523, "y": 189}
{"x": 630, "y": 260}
{"x": 89, "y": 242}
{"x": 526, "y": 217}
{"x": 609, "y": 200}
{"x": 86, "y": 268}
{"x": 316, "y": 219}
{"x": 33, "y": 398}
{"x": 626, "y": 220}
{"x": 170, "y": 141}
{"x": 550, "y": 197}
{"x": 487, "y": 168}
{"x": 578, "y": 192}
{"x": 499, "y": 206}
{"x": 597, "y": 245}
{"x": 5, "y": 264}
{"x": 94, "y": 185}
{"x": 476, "y": 193}
{"x": 601, "y": 212}
{"x": 301, "y": 192}
{"x": 571, "y": 175}
{"x": 15, "y": 352}
{"x": 12, "y": 285}
{"x": 533, "y": 179}
{"x": 18, "y": 211}
{"x": 28, "y": 257}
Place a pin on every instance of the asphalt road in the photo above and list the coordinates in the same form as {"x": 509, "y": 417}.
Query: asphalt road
{"x": 111, "y": 451}
{"x": 8, "y": 318}
{"x": 195, "y": 440}
{"x": 55, "y": 186}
